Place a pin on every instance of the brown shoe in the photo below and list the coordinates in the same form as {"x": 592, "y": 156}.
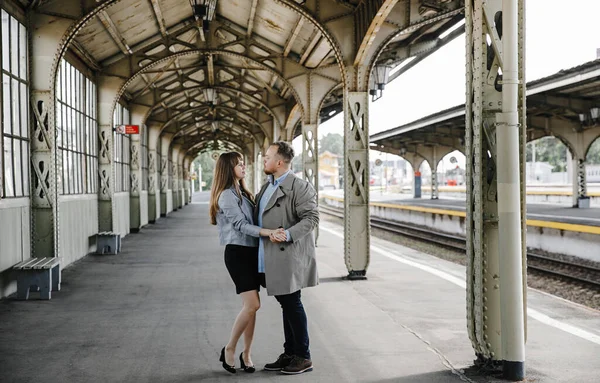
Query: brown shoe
{"x": 298, "y": 365}
{"x": 282, "y": 361}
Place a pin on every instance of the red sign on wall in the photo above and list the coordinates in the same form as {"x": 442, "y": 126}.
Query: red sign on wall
{"x": 128, "y": 129}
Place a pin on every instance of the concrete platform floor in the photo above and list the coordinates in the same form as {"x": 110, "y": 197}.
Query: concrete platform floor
{"x": 162, "y": 309}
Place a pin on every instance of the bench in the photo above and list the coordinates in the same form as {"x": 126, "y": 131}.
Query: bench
{"x": 37, "y": 274}
{"x": 108, "y": 242}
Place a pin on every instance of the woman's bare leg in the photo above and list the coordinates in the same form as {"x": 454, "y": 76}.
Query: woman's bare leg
{"x": 251, "y": 304}
{"x": 249, "y": 337}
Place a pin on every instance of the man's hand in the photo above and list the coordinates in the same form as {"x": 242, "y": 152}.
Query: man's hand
{"x": 278, "y": 236}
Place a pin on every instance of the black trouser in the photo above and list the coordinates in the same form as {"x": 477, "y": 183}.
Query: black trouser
{"x": 295, "y": 325}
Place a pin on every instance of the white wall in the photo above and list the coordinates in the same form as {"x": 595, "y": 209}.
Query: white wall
{"x": 15, "y": 240}
{"x": 121, "y": 220}
{"x": 78, "y": 216}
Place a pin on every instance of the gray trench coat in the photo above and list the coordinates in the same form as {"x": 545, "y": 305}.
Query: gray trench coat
{"x": 290, "y": 266}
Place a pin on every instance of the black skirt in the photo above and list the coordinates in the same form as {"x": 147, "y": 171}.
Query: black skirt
{"x": 242, "y": 264}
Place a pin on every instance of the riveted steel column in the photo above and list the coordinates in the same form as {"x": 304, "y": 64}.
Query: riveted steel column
{"x": 187, "y": 184}
{"x": 310, "y": 154}
{"x": 250, "y": 160}
{"x": 46, "y": 185}
{"x": 135, "y": 175}
{"x": 108, "y": 88}
{"x": 356, "y": 183}
{"x": 484, "y": 47}
{"x": 310, "y": 160}
{"x": 483, "y": 101}
{"x": 174, "y": 180}
{"x": 579, "y": 181}
{"x": 153, "y": 174}
{"x": 435, "y": 194}
{"x": 165, "y": 142}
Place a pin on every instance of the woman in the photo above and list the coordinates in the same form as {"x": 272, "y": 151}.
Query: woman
{"x": 231, "y": 209}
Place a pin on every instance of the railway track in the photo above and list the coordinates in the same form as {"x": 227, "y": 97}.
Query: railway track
{"x": 548, "y": 266}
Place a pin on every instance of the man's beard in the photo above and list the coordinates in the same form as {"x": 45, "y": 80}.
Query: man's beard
{"x": 268, "y": 172}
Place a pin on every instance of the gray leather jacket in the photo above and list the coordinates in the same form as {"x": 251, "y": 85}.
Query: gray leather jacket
{"x": 235, "y": 220}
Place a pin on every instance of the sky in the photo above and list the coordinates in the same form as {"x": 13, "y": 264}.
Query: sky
{"x": 559, "y": 35}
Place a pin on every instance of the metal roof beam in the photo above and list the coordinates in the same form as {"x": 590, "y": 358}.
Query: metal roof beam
{"x": 111, "y": 28}
{"x": 251, "y": 19}
{"x": 290, "y": 42}
{"x": 159, "y": 17}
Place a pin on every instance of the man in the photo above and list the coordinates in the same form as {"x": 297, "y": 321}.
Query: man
{"x": 288, "y": 260}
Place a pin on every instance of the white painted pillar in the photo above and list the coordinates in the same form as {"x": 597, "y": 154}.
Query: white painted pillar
{"x": 509, "y": 202}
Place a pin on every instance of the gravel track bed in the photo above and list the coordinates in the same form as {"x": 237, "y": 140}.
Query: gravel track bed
{"x": 573, "y": 292}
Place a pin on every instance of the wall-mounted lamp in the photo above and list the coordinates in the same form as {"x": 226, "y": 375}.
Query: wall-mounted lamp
{"x": 379, "y": 77}
{"x": 204, "y": 10}
{"x": 210, "y": 95}
{"x": 591, "y": 118}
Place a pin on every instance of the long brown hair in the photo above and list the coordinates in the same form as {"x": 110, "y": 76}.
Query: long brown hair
{"x": 225, "y": 179}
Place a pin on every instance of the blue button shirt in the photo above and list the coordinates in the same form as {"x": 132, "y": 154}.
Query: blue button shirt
{"x": 266, "y": 197}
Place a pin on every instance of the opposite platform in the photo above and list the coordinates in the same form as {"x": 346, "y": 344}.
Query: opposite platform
{"x": 162, "y": 309}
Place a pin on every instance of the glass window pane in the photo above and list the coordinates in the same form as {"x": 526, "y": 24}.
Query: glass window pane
{"x": 9, "y": 190}
{"x": 16, "y": 113}
{"x": 65, "y": 166}
{"x": 67, "y": 84}
{"x": 22, "y": 52}
{"x": 79, "y": 173}
{"x": 26, "y": 165}
{"x": 24, "y": 109}
{"x": 5, "y": 42}
{"x": 71, "y": 173}
{"x": 14, "y": 46}
{"x": 6, "y": 104}
{"x": 76, "y": 91}
{"x": 17, "y": 169}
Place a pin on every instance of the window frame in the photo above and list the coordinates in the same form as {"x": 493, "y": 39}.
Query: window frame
{"x": 14, "y": 112}
{"x": 76, "y": 130}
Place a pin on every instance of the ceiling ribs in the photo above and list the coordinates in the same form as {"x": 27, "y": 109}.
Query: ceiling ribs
{"x": 159, "y": 17}
{"x": 252, "y": 17}
{"x": 111, "y": 28}
{"x": 310, "y": 47}
{"x": 290, "y": 42}
{"x": 211, "y": 71}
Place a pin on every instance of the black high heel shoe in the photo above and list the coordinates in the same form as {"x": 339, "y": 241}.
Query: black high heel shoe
{"x": 249, "y": 369}
{"x": 228, "y": 368}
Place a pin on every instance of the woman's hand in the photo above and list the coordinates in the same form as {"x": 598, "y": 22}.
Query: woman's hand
{"x": 278, "y": 235}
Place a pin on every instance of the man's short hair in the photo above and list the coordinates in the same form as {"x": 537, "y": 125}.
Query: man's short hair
{"x": 284, "y": 150}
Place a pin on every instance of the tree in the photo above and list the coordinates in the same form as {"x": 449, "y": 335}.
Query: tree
{"x": 593, "y": 155}
{"x": 297, "y": 165}
{"x": 207, "y": 164}
{"x": 333, "y": 143}
{"x": 550, "y": 150}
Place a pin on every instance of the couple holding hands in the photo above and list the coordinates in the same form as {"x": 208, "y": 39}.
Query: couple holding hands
{"x": 281, "y": 259}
